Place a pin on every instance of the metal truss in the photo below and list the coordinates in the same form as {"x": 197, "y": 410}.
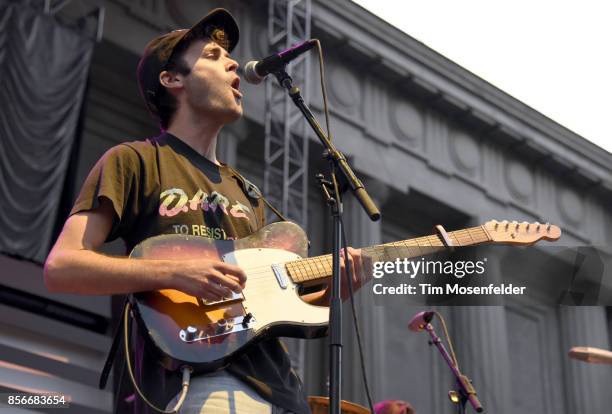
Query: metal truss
{"x": 286, "y": 142}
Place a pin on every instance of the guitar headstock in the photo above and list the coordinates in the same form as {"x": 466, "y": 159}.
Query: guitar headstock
{"x": 524, "y": 233}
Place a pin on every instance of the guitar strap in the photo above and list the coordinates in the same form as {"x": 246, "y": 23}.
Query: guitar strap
{"x": 251, "y": 191}
{"x": 110, "y": 358}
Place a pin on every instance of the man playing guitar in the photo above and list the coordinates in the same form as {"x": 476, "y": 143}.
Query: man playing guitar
{"x": 174, "y": 184}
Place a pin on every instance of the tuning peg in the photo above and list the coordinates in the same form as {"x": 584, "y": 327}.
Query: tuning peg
{"x": 538, "y": 226}
{"x": 496, "y": 224}
{"x": 548, "y": 227}
{"x": 506, "y": 223}
{"x": 516, "y": 225}
{"x": 528, "y": 224}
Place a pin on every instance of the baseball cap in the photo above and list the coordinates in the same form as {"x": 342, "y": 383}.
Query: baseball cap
{"x": 160, "y": 50}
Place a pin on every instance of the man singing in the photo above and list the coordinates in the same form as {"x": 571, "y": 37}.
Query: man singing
{"x": 172, "y": 184}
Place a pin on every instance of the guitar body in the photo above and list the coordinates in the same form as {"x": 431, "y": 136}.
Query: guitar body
{"x": 185, "y": 330}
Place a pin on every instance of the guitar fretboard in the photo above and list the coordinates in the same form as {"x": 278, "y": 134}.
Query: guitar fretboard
{"x": 320, "y": 267}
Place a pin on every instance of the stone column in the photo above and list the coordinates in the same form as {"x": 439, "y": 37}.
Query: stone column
{"x": 228, "y": 141}
{"x": 362, "y": 232}
{"x": 587, "y": 385}
{"x": 480, "y": 336}
{"x": 481, "y": 341}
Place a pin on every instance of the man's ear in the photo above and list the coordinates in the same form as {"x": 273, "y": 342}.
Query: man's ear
{"x": 170, "y": 80}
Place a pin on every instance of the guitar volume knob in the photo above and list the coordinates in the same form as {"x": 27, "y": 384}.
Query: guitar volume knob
{"x": 190, "y": 333}
{"x": 222, "y": 325}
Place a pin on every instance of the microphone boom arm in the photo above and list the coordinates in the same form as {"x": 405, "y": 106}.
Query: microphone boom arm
{"x": 333, "y": 154}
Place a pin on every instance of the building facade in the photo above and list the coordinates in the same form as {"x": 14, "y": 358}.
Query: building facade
{"x": 434, "y": 144}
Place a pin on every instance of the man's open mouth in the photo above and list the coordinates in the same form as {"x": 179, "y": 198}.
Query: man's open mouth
{"x": 236, "y": 87}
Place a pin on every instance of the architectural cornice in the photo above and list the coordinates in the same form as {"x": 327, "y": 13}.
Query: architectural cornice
{"x": 449, "y": 84}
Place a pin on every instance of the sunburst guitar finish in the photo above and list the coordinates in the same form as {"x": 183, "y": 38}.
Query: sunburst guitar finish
{"x": 186, "y": 330}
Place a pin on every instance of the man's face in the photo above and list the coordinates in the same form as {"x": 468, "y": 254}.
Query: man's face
{"x": 212, "y": 87}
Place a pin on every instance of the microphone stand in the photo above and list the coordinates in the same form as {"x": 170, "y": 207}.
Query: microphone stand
{"x": 337, "y": 163}
{"x": 465, "y": 390}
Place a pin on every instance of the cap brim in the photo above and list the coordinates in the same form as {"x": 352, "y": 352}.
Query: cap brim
{"x": 220, "y": 18}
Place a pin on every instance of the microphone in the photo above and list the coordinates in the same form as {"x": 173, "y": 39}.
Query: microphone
{"x": 592, "y": 355}
{"x": 420, "y": 320}
{"x": 256, "y": 71}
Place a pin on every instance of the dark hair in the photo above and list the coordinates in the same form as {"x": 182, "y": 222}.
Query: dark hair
{"x": 166, "y": 103}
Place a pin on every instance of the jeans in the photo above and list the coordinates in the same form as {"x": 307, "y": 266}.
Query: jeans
{"x": 222, "y": 393}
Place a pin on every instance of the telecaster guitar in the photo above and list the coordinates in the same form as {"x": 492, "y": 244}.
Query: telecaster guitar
{"x": 187, "y": 330}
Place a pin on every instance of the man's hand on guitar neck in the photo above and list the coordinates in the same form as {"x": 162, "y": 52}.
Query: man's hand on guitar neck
{"x": 360, "y": 274}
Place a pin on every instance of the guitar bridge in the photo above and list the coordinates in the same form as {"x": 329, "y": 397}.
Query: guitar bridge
{"x": 217, "y": 329}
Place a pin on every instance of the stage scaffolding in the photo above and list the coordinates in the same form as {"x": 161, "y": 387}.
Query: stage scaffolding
{"x": 286, "y": 141}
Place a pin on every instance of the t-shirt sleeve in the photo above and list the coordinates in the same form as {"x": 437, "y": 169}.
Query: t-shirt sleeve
{"x": 116, "y": 177}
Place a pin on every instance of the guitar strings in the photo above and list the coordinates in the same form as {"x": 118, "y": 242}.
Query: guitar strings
{"x": 322, "y": 267}
{"x": 262, "y": 272}
{"x": 254, "y": 270}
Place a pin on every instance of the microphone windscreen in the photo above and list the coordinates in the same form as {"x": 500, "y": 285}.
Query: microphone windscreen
{"x": 418, "y": 321}
{"x": 250, "y": 74}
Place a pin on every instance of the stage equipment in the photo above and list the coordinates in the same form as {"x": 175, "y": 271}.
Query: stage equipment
{"x": 286, "y": 135}
{"x": 420, "y": 320}
{"x": 591, "y": 355}
{"x": 465, "y": 389}
{"x": 337, "y": 162}
{"x": 320, "y": 405}
{"x": 256, "y": 71}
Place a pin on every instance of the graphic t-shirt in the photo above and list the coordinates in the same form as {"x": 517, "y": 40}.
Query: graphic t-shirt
{"x": 163, "y": 186}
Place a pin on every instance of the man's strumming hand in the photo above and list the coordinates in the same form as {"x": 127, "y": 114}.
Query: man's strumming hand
{"x": 211, "y": 280}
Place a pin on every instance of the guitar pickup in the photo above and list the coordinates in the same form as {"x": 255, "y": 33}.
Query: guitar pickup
{"x": 281, "y": 275}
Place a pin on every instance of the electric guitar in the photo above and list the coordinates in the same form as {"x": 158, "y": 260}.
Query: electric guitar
{"x": 186, "y": 330}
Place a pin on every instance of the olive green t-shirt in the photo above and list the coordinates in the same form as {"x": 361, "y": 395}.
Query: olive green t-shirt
{"x": 163, "y": 186}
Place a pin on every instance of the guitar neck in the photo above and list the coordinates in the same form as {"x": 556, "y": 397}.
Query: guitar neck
{"x": 320, "y": 267}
